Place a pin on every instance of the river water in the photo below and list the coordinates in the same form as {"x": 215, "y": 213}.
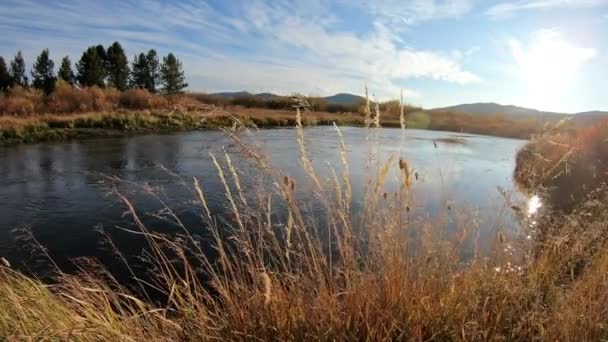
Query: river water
{"x": 61, "y": 192}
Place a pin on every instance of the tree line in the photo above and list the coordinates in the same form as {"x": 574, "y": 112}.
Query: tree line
{"x": 99, "y": 67}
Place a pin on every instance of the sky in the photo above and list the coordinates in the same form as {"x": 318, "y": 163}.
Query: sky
{"x": 544, "y": 54}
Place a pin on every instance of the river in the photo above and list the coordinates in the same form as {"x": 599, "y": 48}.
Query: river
{"x": 61, "y": 192}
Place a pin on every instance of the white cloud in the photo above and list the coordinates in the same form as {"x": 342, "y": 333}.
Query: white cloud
{"x": 282, "y": 46}
{"x": 508, "y": 8}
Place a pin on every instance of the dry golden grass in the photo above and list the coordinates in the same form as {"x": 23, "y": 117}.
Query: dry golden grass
{"x": 372, "y": 275}
{"x": 566, "y": 162}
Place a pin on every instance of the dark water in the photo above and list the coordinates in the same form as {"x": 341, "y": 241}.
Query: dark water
{"x": 61, "y": 191}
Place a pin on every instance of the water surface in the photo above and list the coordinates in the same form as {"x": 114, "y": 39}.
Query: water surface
{"x": 61, "y": 193}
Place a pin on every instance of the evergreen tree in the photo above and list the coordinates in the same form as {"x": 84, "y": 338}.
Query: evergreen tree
{"x": 172, "y": 75}
{"x": 43, "y": 76}
{"x": 17, "y": 71}
{"x": 5, "y": 79}
{"x": 118, "y": 67}
{"x": 153, "y": 72}
{"x": 91, "y": 69}
{"x": 139, "y": 71}
{"x": 101, "y": 52}
{"x": 65, "y": 71}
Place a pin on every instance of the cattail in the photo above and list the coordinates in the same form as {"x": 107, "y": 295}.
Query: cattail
{"x": 385, "y": 195}
{"x": 402, "y": 114}
{"x": 377, "y": 116}
{"x": 406, "y": 171}
{"x": 267, "y": 287}
{"x": 286, "y": 181}
{"x": 416, "y": 175}
{"x": 293, "y": 185}
{"x": 501, "y": 238}
{"x": 367, "y": 110}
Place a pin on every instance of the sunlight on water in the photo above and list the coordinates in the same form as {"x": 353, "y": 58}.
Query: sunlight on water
{"x": 533, "y": 205}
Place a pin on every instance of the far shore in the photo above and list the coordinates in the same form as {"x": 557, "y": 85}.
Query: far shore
{"x": 61, "y": 127}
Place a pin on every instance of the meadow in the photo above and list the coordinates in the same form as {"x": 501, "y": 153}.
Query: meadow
{"x": 371, "y": 275}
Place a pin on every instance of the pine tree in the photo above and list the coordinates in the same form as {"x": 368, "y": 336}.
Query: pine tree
{"x": 5, "y": 79}
{"x": 172, "y": 75}
{"x": 139, "y": 71}
{"x": 153, "y": 66}
{"x": 118, "y": 67}
{"x": 91, "y": 69}
{"x": 65, "y": 72}
{"x": 17, "y": 71}
{"x": 43, "y": 76}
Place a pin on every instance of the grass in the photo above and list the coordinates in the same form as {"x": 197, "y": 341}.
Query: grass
{"x": 386, "y": 272}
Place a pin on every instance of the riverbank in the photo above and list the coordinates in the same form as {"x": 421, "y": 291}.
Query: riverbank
{"x": 564, "y": 164}
{"x": 14, "y": 130}
{"x": 116, "y": 123}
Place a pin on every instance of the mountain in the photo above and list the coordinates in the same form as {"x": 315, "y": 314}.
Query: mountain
{"x": 508, "y": 110}
{"x": 587, "y": 118}
{"x": 515, "y": 112}
{"x": 344, "y": 99}
{"x": 266, "y": 96}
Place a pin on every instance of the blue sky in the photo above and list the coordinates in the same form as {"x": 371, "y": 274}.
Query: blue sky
{"x": 546, "y": 54}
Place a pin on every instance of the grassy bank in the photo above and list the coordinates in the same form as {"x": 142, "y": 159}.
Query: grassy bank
{"x": 387, "y": 272}
{"x": 55, "y": 127}
{"x": 120, "y": 122}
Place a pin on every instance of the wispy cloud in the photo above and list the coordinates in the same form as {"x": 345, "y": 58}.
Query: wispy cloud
{"x": 399, "y": 12}
{"x": 508, "y": 8}
{"x": 282, "y": 46}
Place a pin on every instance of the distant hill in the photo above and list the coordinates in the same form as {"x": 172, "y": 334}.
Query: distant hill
{"x": 584, "y": 118}
{"x": 344, "y": 99}
{"x": 338, "y": 99}
{"x": 508, "y": 110}
{"x": 587, "y": 118}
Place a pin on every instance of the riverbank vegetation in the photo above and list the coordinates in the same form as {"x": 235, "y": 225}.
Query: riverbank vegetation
{"x": 566, "y": 163}
{"x": 385, "y": 272}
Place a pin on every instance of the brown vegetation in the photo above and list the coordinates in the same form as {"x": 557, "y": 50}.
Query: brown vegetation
{"x": 565, "y": 163}
{"x": 381, "y": 274}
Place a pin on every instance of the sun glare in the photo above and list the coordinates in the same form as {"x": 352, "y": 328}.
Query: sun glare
{"x": 549, "y": 66}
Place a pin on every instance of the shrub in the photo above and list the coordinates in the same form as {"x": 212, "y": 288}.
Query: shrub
{"x": 21, "y": 101}
{"x": 565, "y": 164}
{"x": 136, "y": 99}
{"x": 98, "y": 99}
{"x": 65, "y": 98}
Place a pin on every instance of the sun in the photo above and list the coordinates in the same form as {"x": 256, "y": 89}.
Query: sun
{"x": 549, "y": 66}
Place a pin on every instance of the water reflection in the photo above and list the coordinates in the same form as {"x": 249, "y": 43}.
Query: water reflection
{"x": 54, "y": 188}
{"x": 534, "y": 204}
